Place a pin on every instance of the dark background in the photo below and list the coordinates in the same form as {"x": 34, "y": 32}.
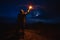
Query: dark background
{"x": 9, "y": 10}
{"x": 49, "y": 15}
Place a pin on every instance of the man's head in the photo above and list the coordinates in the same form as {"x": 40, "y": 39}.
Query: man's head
{"x": 22, "y": 11}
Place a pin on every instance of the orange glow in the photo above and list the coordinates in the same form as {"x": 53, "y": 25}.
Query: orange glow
{"x": 30, "y": 7}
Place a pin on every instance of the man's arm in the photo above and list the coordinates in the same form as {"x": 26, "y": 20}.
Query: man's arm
{"x": 27, "y": 12}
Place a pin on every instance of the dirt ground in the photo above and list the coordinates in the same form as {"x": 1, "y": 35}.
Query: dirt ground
{"x": 34, "y": 35}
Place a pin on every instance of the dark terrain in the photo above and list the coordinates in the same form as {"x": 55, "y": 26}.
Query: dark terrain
{"x": 37, "y": 31}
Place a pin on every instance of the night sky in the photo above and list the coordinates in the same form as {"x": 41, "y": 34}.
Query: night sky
{"x": 46, "y": 12}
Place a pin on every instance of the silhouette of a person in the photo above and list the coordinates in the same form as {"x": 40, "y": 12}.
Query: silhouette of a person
{"x": 21, "y": 21}
{"x": 21, "y": 17}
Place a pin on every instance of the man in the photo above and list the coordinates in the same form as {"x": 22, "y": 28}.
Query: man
{"x": 20, "y": 26}
{"x": 21, "y": 23}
